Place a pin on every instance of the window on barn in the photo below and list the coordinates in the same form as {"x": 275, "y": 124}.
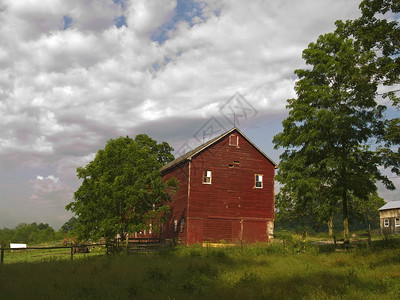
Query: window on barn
{"x": 207, "y": 177}
{"x": 182, "y": 225}
{"x": 162, "y": 229}
{"x": 233, "y": 140}
{"x": 397, "y": 222}
{"x": 175, "y": 225}
{"x": 258, "y": 181}
{"x": 386, "y": 223}
{"x": 233, "y": 164}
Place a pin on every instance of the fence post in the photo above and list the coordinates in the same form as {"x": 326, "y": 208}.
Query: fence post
{"x": 369, "y": 235}
{"x": 2, "y": 255}
{"x": 72, "y": 253}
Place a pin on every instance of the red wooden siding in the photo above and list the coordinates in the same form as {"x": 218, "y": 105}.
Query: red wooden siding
{"x": 178, "y": 207}
{"x": 231, "y": 208}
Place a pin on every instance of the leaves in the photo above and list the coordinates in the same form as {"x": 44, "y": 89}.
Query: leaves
{"x": 121, "y": 187}
{"x": 330, "y": 125}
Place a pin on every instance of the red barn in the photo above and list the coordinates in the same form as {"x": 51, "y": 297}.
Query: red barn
{"x": 226, "y": 192}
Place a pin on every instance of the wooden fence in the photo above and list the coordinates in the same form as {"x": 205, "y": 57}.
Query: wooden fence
{"x": 135, "y": 245}
{"x": 132, "y": 245}
{"x": 73, "y": 249}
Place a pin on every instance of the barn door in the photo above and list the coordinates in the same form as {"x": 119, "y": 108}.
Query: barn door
{"x": 254, "y": 231}
{"x": 195, "y": 231}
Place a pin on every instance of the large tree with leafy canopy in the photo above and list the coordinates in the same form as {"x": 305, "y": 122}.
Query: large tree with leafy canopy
{"x": 122, "y": 190}
{"x": 326, "y": 137}
{"x": 378, "y": 31}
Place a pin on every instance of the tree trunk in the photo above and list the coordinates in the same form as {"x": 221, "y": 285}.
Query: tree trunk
{"x": 304, "y": 236}
{"x": 330, "y": 225}
{"x": 345, "y": 216}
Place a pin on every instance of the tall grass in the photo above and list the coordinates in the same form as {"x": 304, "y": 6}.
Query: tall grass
{"x": 45, "y": 255}
{"x": 296, "y": 271}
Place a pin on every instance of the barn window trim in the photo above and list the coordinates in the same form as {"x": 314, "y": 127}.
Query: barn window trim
{"x": 207, "y": 176}
{"x": 182, "y": 224}
{"x": 258, "y": 181}
{"x": 386, "y": 222}
{"x": 234, "y": 140}
{"x": 234, "y": 164}
{"x": 397, "y": 222}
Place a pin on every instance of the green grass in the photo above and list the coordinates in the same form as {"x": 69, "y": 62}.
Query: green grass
{"x": 296, "y": 271}
{"x": 45, "y": 255}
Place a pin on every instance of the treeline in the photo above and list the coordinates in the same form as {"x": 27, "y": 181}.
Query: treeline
{"x": 300, "y": 225}
{"x": 33, "y": 233}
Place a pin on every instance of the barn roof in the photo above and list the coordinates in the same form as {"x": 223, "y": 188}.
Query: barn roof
{"x": 391, "y": 205}
{"x": 189, "y": 155}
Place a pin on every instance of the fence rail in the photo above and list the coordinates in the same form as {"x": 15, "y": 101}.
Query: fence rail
{"x": 73, "y": 249}
{"x": 132, "y": 245}
{"x": 135, "y": 245}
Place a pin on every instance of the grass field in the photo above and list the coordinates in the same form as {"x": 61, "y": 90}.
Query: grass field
{"x": 296, "y": 271}
{"x": 45, "y": 255}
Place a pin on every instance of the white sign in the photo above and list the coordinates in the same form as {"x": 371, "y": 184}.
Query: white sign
{"x": 16, "y": 246}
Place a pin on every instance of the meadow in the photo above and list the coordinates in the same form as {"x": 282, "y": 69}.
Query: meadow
{"x": 295, "y": 270}
{"x": 46, "y": 255}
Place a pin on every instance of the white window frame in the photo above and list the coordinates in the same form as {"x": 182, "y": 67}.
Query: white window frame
{"x": 234, "y": 140}
{"x": 207, "y": 176}
{"x": 397, "y": 222}
{"x": 385, "y": 222}
{"x": 175, "y": 225}
{"x": 182, "y": 225}
{"x": 258, "y": 184}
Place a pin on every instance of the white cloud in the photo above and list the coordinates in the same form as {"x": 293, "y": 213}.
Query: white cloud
{"x": 67, "y": 166}
{"x": 64, "y": 93}
{"x": 49, "y": 189}
{"x": 145, "y": 16}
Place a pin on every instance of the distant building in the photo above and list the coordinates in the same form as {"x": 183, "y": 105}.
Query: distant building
{"x": 226, "y": 192}
{"x": 390, "y": 217}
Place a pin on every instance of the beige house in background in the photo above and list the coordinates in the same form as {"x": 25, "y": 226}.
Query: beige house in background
{"x": 390, "y": 217}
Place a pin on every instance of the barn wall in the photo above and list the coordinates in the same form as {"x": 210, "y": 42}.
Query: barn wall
{"x": 178, "y": 207}
{"x": 231, "y": 203}
{"x": 391, "y": 215}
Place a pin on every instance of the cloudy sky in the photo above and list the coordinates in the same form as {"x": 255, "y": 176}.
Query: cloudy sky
{"x": 76, "y": 73}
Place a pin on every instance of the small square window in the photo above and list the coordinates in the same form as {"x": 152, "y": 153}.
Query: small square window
{"x": 386, "y": 223}
{"x": 233, "y": 140}
{"x": 207, "y": 177}
{"x": 397, "y": 222}
{"x": 258, "y": 181}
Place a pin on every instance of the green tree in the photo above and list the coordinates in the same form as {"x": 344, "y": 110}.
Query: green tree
{"x": 378, "y": 30}
{"x": 367, "y": 211}
{"x": 69, "y": 225}
{"x": 33, "y": 233}
{"x": 122, "y": 188}
{"x": 6, "y": 235}
{"x": 330, "y": 125}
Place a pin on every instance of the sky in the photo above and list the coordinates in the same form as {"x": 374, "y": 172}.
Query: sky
{"x": 74, "y": 74}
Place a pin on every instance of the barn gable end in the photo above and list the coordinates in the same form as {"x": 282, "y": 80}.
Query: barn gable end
{"x": 226, "y": 192}
{"x": 390, "y": 218}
